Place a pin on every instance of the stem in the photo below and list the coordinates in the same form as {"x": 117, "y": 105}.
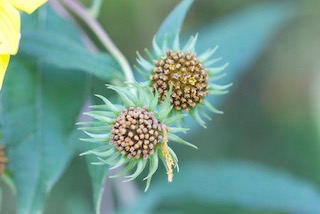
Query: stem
{"x": 83, "y": 14}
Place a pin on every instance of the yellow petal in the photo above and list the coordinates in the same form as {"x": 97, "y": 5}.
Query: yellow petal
{"x": 9, "y": 28}
{"x": 4, "y": 61}
{"x": 27, "y": 6}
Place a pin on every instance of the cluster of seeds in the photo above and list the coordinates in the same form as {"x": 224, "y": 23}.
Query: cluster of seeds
{"x": 136, "y": 132}
{"x": 3, "y": 161}
{"x": 187, "y": 76}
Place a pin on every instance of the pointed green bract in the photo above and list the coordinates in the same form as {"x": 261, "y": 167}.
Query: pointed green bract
{"x": 154, "y": 162}
{"x": 175, "y": 118}
{"x": 140, "y": 167}
{"x": 177, "y": 139}
{"x": 130, "y": 166}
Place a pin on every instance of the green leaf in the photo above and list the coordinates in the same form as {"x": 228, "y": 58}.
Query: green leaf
{"x": 236, "y": 183}
{"x": 39, "y": 132}
{"x": 98, "y": 175}
{"x": 172, "y": 24}
{"x": 63, "y": 52}
{"x": 40, "y": 106}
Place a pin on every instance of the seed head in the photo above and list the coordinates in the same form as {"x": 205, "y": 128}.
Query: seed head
{"x": 186, "y": 74}
{"x": 191, "y": 76}
{"x": 133, "y": 135}
{"x": 136, "y": 132}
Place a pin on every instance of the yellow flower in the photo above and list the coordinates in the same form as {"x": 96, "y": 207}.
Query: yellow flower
{"x": 10, "y": 28}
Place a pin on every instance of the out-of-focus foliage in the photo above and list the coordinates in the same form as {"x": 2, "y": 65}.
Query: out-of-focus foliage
{"x": 269, "y": 128}
{"x": 255, "y": 187}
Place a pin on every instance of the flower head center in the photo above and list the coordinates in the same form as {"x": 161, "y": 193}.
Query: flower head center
{"x": 136, "y": 132}
{"x": 186, "y": 74}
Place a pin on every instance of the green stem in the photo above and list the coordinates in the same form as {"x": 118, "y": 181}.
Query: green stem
{"x": 83, "y": 14}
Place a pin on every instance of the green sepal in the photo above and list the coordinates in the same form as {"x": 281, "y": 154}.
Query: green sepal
{"x": 217, "y": 77}
{"x": 142, "y": 72}
{"x": 178, "y": 129}
{"x": 174, "y": 118}
{"x": 105, "y": 119}
{"x": 123, "y": 160}
{"x": 95, "y": 128}
{"x": 99, "y": 149}
{"x": 110, "y": 161}
{"x": 166, "y": 104}
{"x": 153, "y": 166}
{"x": 211, "y": 108}
{"x": 157, "y": 50}
{"x": 144, "y": 63}
{"x": 211, "y": 62}
{"x": 129, "y": 167}
{"x": 154, "y": 101}
{"x": 220, "y": 87}
{"x": 177, "y": 139}
{"x": 140, "y": 167}
{"x": 109, "y": 114}
{"x": 143, "y": 92}
{"x": 124, "y": 94}
{"x": 215, "y": 70}
{"x": 95, "y": 140}
{"x": 149, "y": 54}
{"x": 217, "y": 92}
{"x": 206, "y": 55}
{"x": 112, "y": 107}
{"x": 195, "y": 115}
{"x": 103, "y": 154}
{"x": 164, "y": 113}
{"x": 176, "y": 41}
{"x": 165, "y": 44}
{"x": 190, "y": 46}
{"x": 100, "y": 136}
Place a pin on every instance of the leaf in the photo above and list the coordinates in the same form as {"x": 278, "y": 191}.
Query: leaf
{"x": 98, "y": 175}
{"x": 236, "y": 183}
{"x": 172, "y": 24}
{"x": 63, "y": 52}
{"x": 40, "y": 106}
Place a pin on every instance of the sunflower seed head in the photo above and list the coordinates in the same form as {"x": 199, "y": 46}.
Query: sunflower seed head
{"x": 187, "y": 76}
{"x": 136, "y": 132}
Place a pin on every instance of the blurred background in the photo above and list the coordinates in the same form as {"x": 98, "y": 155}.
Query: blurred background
{"x": 263, "y": 154}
